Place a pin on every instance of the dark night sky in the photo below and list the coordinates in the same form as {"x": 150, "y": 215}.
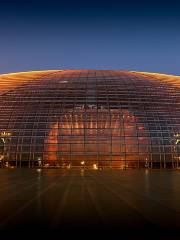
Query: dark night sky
{"x": 132, "y": 35}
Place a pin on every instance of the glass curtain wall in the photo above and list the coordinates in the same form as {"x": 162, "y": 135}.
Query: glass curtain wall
{"x": 86, "y": 118}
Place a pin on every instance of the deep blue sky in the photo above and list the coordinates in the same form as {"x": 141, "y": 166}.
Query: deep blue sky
{"x": 132, "y": 35}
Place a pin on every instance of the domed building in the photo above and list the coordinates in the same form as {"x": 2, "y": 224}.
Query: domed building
{"x": 90, "y": 119}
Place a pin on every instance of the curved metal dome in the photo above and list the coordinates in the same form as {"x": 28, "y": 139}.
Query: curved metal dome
{"x": 89, "y": 118}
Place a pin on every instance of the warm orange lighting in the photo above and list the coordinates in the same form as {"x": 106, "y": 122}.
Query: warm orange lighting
{"x": 5, "y": 134}
{"x": 92, "y": 119}
{"x": 11, "y": 80}
{"x": 169, "y": 79}
{"x": 67, "y": 144}
{"x": 95, "y": 166}
{"x": 177, "y": 135}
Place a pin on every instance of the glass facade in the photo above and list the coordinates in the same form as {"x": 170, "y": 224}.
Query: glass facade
{"x": 89, "y": 118}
